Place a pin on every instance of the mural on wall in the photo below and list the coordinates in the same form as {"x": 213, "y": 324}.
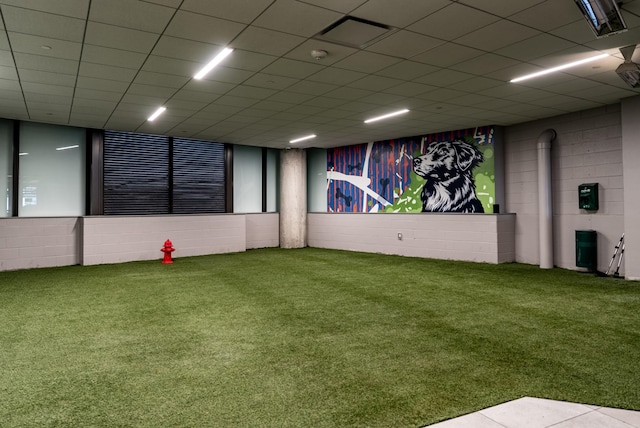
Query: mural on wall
{"x": 444, "y": 172}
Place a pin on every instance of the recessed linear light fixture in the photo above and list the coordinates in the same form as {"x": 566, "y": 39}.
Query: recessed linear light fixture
{"x": 385, "y": 116}
{"x": 308, "y": 137}
{"x": 214, "y": 62}
{"x": 603, "y": 16}
{"x": 67, "y": 147}
{"x": 157, "y": 113}
{"x": 558, "y": 68}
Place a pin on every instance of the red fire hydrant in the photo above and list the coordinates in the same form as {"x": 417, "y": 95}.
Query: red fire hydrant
{"x": 167, "y": 250}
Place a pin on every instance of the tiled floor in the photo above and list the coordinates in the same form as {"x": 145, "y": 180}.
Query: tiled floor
{"x": 530, "y": 412}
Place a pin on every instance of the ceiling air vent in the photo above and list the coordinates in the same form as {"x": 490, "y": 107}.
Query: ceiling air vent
{"x": 354, "y": 32}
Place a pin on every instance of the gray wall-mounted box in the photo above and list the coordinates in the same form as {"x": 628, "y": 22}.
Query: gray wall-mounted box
{"x": 588, "y": 196}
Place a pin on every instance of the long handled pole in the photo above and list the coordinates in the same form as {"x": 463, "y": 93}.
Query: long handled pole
{"x": 615, "y": 253}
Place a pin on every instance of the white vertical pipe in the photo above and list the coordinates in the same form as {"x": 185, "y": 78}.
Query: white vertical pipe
{"x": 545, "y": 206}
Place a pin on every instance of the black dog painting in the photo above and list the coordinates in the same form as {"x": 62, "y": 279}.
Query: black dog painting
{"x": 448, "y": 168}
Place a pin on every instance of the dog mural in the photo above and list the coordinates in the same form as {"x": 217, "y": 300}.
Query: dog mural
{"x": 447, "y": 166}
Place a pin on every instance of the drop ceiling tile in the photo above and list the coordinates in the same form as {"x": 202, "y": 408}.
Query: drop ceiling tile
{"x": 193, "y": 97}
{"x": 244, "y": 11}
{"x": 63, "y": 49}
{"x": 549, "y": 15}
{"x": 534, "y": 47}
{"x": 245, "y": 60}
{"x": 404, "y": 44}
{"x": 176, "y": 67}
{"x": 111, "y": 36}
{"x": 41, "y": 88}
{"x": 348, "y": 94}
{"x": 374, "y": 83}
{"x": 246, "y": 91}
{"x": 169, "y": 3}
{"x": 497, "y": 35}
{"x": 447, "y": 54}
{"x": 43, "y": 24}
{"x": 367, "y": 62}
{"x": 229, "y": 75}
{"x": 46, "y": 77}
{"x": 150, "y": 90}
{"x": 234, "y": 101}
{"x": 101, "y": 84}
{"x": 290, "y": 97}
{"x": 7, "y": 95}
{"x": 444, "y": 78}
{"x": 312, "y": 88}
{"x": 335, "y": 52}
{"x": 326, "y": 102}
{"x": 160, "y": 127}
{"x": 274, "y": 106}
{"x": 383, "y": 99}
{"x": 48, "y": 116}
{"x": 407, "y": 70}
{"x": 441, "y": 94}
{"x": 101, "y": 71}
{"x": 269, "y": 81}
{"x": 576, "y": 32}
{"x": 9, "y": 84}
{"x": 292, "y": 68}
{"x": 91, "y": 94}
{"x": 188, "y": 50}
{"x": 201, "y": 28}
{"x": 483, "y": 64}
{"x": 410, "y": 89}
{"x": 439, "y": 24}
{"x": 500, "y": 7}
{"x": 109, "y": 56}
{"x": 44, "y": 100}
{"x": 209, "y": 86}
{"x": 161, "y": 79}
{"x": 143, "y": 100}
{"x": 266, "y": 41}
{"x": 94, "y": 106}
{"x": 75, "y": 8}
{"x": 336, "y": 76}
{"x": 8, "y": 73}
{"x": 4, "y": 41}
{"x": 478, "y": 84}
{"x": 395, "y": 15}
{"x": 344, "y": 6}
{"x": 138, "y": 15}
{"x": 296, "y": 18}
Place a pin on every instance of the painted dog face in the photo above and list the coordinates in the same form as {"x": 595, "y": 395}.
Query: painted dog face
{"x": 447, "y": 159}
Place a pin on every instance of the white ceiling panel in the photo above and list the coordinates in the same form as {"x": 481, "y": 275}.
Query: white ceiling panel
{"x": 367, "y": 62}
{"x": 270, "y": 81}
{"x": 344, "y": 6}
{"x": 112, "y": 36}
{"x": 138, "y": 15}
{"x": 203, "y": 28}
{"x": 161, "y": 79}
{"x": 500, "y": 7}
{"x": 398, "y": 14}
{"x": 37, "y": 76}
{"x": 497, "y": 35}
{"x": 244, "y": 11}
{"x": 101, "y": 71}
{"x": 294, "y": 69}
{"x": 297, "y": 18}
{"x": 266, "y": 41}
{"x": 43, "y": 24}
{"x": 440, "y": 22}
{"x": 109, "y": 56}
{"x": 405, "y": 44}
{"x": 38, "y": 45}
{"x": 74, "y": 8}
{"x": 447, "y": 54}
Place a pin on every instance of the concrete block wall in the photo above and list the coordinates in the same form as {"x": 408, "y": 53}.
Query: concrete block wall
{"x": 262, "y": 230}
{"x": 108, "y": 239}
{"x": 470, "y": 237}
{"x": 38, "y": 242}
{"x": 587, "y": 149}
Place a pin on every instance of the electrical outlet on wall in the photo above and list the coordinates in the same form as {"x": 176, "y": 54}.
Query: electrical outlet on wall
{"x": 400, "y": 236}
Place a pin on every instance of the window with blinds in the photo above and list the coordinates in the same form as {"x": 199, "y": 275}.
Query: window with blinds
{"x": 154, "y": 174}
{"x": 198, "y": 176}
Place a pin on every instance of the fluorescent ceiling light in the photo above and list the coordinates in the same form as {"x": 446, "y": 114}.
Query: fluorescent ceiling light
{"x": 156, "y": 114}
{"x": 23, "y": 154}
{"x": 308, "y": 137}
{"x": 215, "y": 61}
{"x": 558, "y": 68}
{"x": 385, "y": 116}
{"x": 67, "y": 147}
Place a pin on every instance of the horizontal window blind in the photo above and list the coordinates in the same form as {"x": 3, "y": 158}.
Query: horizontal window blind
{"x": 198, "y": 176}
{"x": 136, "y": 173}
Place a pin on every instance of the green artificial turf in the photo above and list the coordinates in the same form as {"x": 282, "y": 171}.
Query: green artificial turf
{"x": 307, "y": 338}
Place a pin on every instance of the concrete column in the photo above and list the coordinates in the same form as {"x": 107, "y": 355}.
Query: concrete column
{"x": 545, "y": 207}
{"x": 631, "y": 178}
{"x": 293, "y": 198}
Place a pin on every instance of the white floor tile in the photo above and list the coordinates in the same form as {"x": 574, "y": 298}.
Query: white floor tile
{"x": 530, "y": 412}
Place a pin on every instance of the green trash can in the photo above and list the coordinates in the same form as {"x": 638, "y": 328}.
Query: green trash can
{"x": 587, "y": 249}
